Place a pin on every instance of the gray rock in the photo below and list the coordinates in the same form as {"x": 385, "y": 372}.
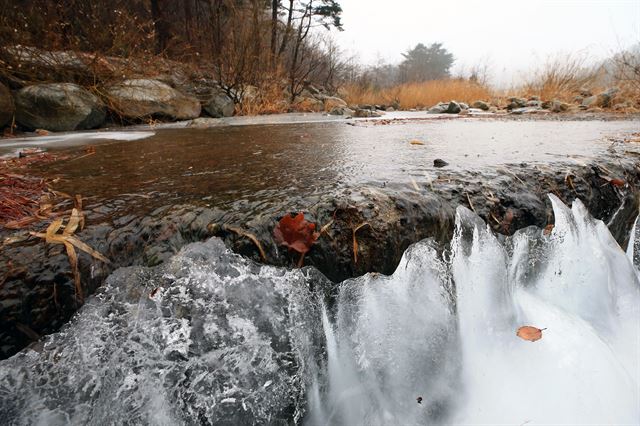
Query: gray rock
{"x": 526, "y": 110}
{"x": 308, "y": 105}
{"x": 463, "y": 105}
{"x": 438, "y": 162}
{"x": 516, "y": 103}
{"x": 366, "y": 113}
{"x": 440, "y": 108}
{"x": 534, "y": 103}
{"x": 219, "y": 104}
{"x": 7, "y": 107}
{"x": 58, "y": 107}
{"x": 589, "y": 101}
{"x": 481, "y": 105}
{"x": 557, "y": 106}
{"x": 604, "y": 99}
{"x": 332, "y": 102}
{"x": 205, "y": 123}
{"x": 342, "y": 111}
{"x": 140, "y": 98}
{"x": 390, "y": 109}
{"x": 453, "y": 108}
{"x": 534, "y": 98}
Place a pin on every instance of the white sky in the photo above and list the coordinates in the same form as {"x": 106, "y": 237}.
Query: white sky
{"x": 512, "y": 36}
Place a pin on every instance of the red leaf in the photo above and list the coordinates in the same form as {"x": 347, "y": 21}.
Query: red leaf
{"x": 617, "y": 182}
{"x": 295, "y": 233}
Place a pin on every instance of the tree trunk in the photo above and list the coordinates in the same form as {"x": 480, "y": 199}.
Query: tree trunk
{"x": 160, "y": 26}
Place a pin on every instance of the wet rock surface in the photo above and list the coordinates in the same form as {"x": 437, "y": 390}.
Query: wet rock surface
{"x": 133, "y": 222}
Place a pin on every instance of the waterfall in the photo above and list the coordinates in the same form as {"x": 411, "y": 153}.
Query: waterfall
{"x": 213, "y": 338}
{"x": 397, "y": 338}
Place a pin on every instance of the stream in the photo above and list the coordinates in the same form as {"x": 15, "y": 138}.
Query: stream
{"x": 405, "y": 312}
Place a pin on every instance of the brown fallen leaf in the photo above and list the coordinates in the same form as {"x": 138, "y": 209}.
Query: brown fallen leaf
{"x": 296, "y": 233}
{"x": 547, "y": 229}
{"x": 416, "y": 142}
{"x": 618, "y": 182}
{"x": 530, "y": 333}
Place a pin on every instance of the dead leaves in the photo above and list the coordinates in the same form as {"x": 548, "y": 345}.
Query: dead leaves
{"x": 416, "y": 142}
{"x": 70, "y": 242}
{"x": 530, "y": 333}
{"x": 296, "y": 233}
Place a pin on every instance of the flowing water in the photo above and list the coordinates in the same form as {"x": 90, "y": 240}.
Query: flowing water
{"x": 213, "y": 338}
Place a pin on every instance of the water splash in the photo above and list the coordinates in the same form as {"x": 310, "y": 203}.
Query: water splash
{"x": 212, "y": 338}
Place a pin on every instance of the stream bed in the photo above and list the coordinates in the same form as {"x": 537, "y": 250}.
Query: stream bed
{"x": 371, "y": 186}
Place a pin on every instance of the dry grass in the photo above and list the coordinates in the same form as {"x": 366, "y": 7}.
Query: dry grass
{"x": 418, "y": 95}
{"x": 268, "y": 99}
{"x": 562, "y": 78}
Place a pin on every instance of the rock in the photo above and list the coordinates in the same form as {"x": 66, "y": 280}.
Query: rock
{"x": 366, "y": 113}
{"x": 342, "y": 111}
{"x": 604, "y": 99}
{"x": 534, "y": 103}
{"x": 484, "y": 106}
{"x": 526, "y": 110}
{"x": 219, "y": 104}
{"x": 58, "y": 107}
{"x": 440, "y": 108}
{"x": 463, "y": 105}
{"x": 307, "y": 105}
{"x": 516, "y": 103}
{"x": 332, "y": 102}
{"x": 557, "y": 106}
{"x": 7, "y": 107}
{"x": 453, "y": 108}
{"x": 588, "y": 102}
{"x": 438, "y": 162}
{"x": 390, "y": 109}
{"x": 534, "y": 98}
{"x": 141, "y": 98}
{"x": 578, "y": 99}
{"x": 205, "y": 123}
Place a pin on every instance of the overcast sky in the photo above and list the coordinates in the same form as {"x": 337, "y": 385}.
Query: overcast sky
{"x": 510, "y": 35}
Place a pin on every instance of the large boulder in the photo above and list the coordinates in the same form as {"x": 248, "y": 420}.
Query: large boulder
{"x": 307, "y": 105}
{"x": 219, "y": 104}
{"x": 7, "y": 108}
{"x": 58, "y": 107}
{"x": 332, "y": 102}
{"x": 140, "y": 98}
